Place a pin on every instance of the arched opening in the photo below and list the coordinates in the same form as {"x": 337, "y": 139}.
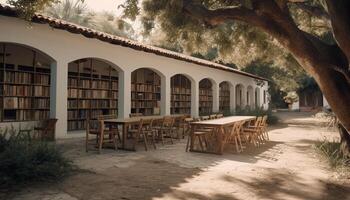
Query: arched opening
{"x": 145, "y": 92}
{"x": 250, "y": 97}
{"x": 239, "y": 96}
{"x": 224, "y": 97}
{"x": 92, "y": 91}
{"x": 24, "y": 83}
{"x": 180, "y": 95}
{"x": 257, "y": 98}
{"x": 205, "y": 97}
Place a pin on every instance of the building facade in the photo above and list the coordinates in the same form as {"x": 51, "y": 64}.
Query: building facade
{"x": 51, "y": 68}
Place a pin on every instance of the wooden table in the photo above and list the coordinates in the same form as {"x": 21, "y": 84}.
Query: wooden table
{"x": 127, "y": 122}
{"x": 218, "y": 126}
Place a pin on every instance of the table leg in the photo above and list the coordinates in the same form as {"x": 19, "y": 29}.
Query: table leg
{"x": 220, "y": 140}
{"x": 124, "y": 136}
{"x": 192, "y": 137}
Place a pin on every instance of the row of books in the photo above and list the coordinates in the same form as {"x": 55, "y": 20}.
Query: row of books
{"x": 146, "y": 111}
{"x": 25, "y": 103}
{"x": 224, "y": 93}
{"x": 145, "y": 88}
{"x": 175, "y": 111}
{"x": 23, "y": 90}
{"x": 181, "y": 104}
{"x": 25, "y": 115}
{"x": 145, "y": 104}
{"x": 92, "y": 94}
{"x": 26, "y": 78}
{"x": 205, "y": 98}
{"x": 179, "y": 97}
{"x": 178, "y": 90}
{"x": 145, "y": 96}
{"x": 205, "y": 104}
{"x": 205, "y": 92}
{"x": 98, "y": 84}
{"x": 92, "y": 103}
{"x": 76, "y": 125}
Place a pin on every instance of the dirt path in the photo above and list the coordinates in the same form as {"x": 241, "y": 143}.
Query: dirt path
{"x": 285, "y": 168}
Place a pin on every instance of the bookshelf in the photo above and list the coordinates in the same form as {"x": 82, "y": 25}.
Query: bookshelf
{"x": 24, "y": 89}
{"x": 180, "y": 95}
{"x": 92, "y": 91}
{"x": 205, "y": 97}
{"x": 224, "y": 97}
{"x": 145, "y": 92}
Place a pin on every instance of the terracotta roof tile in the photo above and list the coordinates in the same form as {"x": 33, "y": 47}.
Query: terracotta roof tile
{"x": 90, "y": 33}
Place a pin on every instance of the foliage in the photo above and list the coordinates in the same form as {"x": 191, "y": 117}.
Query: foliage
{"x": 291, "y": 98}
{"x": 76, "y": 11}
{"x": 25, "y": 160}
{"x": 30, "y": 7}
{"x": 330, "y": 150}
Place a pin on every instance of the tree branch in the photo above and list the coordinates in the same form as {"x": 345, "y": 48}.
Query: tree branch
{"x": 340, "y": 20}
{"x": 314, "y": 11}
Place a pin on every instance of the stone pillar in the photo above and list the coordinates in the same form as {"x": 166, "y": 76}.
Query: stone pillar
{"x": 232, "y": 98}
{"x": 194, "y": 98}
{"x": 165, "y": 95}
{"x": 124, "y": 98}
{"x": 58, "y": 96}
{"x": 216, "y": 92}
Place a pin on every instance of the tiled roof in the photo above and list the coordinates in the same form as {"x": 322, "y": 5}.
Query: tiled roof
{"x": 90, "y": 33}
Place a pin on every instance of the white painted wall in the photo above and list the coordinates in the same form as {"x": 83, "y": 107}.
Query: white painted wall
{"x": 65, "y": 47}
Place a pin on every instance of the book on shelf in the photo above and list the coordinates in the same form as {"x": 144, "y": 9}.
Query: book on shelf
{"x": 10, "y": 102}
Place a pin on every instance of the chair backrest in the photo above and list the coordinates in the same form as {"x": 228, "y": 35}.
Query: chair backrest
{"x": 219, "y": 116}
{"x": 264, "y": 121}
{"x": 168, "y": 121}
{"x": 204, "y": 118}
{"x": 49, "y": 128}
{"x": 213, "y": 116}
{"x": 140, "y": 126}
{"x": 257, "y": 121}
{"x": 135, "y": 114}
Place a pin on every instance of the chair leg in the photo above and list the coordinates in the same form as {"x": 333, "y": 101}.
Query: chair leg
{"x": 145, "y": 141}
{"x": 100, "y": 143}
{"x": 200, "y": 142}
{"x": 188, "y": 142}
{"x": 115, "y": 141}
{"x": 86, "y": 142}
{"x": 240, "y": 142}
{"x": 154, "y": 140}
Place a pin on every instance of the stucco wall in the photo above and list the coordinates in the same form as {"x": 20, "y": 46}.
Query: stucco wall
{"x": 64, "y": 47}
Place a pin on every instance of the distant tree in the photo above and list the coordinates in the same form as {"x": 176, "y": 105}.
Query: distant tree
{"x": 76, "y": 11}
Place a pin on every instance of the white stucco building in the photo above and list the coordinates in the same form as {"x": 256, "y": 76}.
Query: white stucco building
{"x": 57, "y": 46}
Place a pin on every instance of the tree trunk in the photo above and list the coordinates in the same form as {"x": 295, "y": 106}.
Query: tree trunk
{"x": 344, "y": 141}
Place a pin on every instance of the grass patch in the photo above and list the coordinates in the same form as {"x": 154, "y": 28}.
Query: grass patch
{"x": 24, "y": 160}
{"x": 330, "y": 151}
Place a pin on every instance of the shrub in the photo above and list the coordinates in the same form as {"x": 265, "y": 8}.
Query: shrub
{"x": 332, "y": 153}
{"x": 25, "y": 160}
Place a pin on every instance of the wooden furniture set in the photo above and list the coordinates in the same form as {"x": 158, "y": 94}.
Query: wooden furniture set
{"x": 212, "y": 135}
{"x": 145, "y": 129}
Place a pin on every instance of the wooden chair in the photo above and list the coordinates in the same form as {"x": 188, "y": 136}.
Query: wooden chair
{"x": 140, "y": 133}
{"x": 253, "y": 132}
{"x": 203, "y": 118}
{"x": 213, "y": 116}
{"x": 100, "y": 132}
{"x": 149, "y": 133}
{"x": 263, "y": 126}
{"x": 166, "y": 130}
{"x": 46, "y": 130}
{"x": 219, "y": 116}
{"x": 179, "y": 127}
{"x": 233, "y": 136}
